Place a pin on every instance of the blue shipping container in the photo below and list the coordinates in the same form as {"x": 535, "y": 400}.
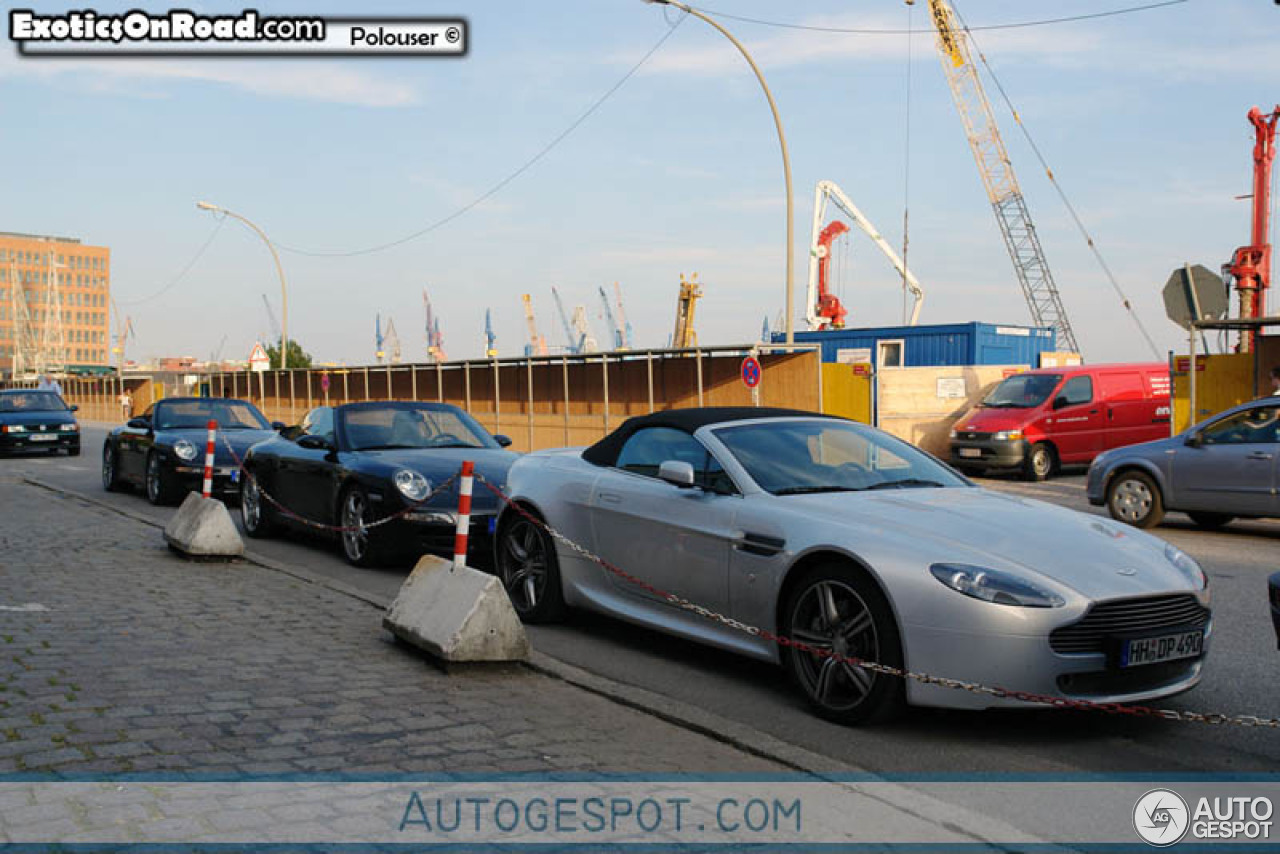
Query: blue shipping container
{"x": 941, "y": 344}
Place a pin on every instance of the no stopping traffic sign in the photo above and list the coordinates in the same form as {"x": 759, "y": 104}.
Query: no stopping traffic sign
{"x": 751, "y": 372}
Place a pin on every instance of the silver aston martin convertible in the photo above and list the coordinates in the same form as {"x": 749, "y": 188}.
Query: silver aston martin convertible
{"x": 852, "y": 542}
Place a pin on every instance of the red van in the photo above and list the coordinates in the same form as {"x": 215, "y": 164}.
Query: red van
{"x": 1036, "y": 421}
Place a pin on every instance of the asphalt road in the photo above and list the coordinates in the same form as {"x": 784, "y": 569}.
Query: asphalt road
{"x": 1240, "y": 676}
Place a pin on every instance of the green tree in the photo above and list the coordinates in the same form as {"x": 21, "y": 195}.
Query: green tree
{"x": 297, "y": 357}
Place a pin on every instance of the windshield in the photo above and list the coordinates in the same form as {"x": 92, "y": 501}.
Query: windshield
{"x": 370, "y": 427}
{"x": 32, "y": 401}
{"x": 188, "y": 414}
{"x": 796, "y": 457}
{"x": 1023, "y": 391}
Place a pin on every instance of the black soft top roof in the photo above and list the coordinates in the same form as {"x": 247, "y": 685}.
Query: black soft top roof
{"x": 605, "y": 452}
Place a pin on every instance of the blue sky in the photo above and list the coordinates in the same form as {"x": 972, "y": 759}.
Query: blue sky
{"x": 1141, "y": 116}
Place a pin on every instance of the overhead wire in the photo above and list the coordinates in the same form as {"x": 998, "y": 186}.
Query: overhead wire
{"x": 1084, "y": 232}
{"x": 874, "y": 31}
{"x": 524, "y": 167}
{"x": 187, "y": 269}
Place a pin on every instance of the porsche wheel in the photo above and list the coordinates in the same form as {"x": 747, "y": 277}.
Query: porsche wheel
{"x": 360, "y": 544}
{"x": 839, "y": 613}
{"x": 256, "y": 513}
{"x": 160, "y": 488}
{"x": 110, "y": 469}
{"x": 529, "y": 571}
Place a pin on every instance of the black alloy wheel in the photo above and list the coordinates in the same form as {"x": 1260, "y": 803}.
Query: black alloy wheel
{"x": 529, "y": 571}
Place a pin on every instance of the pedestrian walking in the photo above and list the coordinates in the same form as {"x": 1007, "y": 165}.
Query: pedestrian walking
{"x": 126, "y": 404}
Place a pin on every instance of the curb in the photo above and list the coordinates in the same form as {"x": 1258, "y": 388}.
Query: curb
{"x": 898, "y": 797}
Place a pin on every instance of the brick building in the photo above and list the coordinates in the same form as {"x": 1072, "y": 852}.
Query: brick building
{"x": 39, "y": 273}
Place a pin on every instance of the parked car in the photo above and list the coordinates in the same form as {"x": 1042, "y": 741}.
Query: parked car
{"x": 1214, "y": 472}
{"x": 837, "y": 535}
{"x": 1273, "y": 595}
{"x": 163, "y": 449}
{"x": 33, "y": 420}
{"x": 356, "y": 464}
{"x": 1037, "y": 421}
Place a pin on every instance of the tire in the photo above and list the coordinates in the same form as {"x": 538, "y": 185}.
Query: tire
{"x": 160, "y": 488}
{"x": 1039, "y": 463}
{"x": 110, "y": 469}
{"x": 1134, "y": 498}
{"x": 864, "y": 628}
{"x": 529, "y": 570}
{"x": 362, "y": 547}
{"x": 256, "y": 513}
{"x": 1210, "y": 521}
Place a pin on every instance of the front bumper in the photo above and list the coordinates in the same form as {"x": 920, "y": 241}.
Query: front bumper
{"x": 226, "y": 479}
{"x": 42, "y": 441}
{"x": 435, "y": 532}
{"x": 1096, "y": 485}
{"x": 1028, "y": 664}
{"x": 984, "y": 454}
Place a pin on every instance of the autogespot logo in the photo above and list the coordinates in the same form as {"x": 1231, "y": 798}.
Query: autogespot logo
{"x": 1160, "y": 817}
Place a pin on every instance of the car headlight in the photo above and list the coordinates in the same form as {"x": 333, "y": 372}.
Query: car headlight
{"x": 13, "y": 428}
{"x": 1187, "y": 565}
{"x": 953, "y": 434}
{"x": 412, "y": 485}
{"x": 1007, "y": 435}
{"x": 69, "y": 428}
{"x": 185, "y": 450}
{"x": 995, "y": 586}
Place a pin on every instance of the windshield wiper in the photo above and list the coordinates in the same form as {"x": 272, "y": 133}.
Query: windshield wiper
{"x": 902, "y": 484}
{"x": 810, "y": 490}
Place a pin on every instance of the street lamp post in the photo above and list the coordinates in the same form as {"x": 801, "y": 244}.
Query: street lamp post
{"x": 284, "y": 291}
{"x": 786, "y": 160}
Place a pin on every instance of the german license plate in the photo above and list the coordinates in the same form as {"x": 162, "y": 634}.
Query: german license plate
{"x": 1139, "y": 651}
{"x": 970, "y": 452}
{"x": 44, "y": 438}
{"x": 233, "y": 474}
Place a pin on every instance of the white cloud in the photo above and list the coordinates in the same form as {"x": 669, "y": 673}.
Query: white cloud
{"x": 139, "y": 78}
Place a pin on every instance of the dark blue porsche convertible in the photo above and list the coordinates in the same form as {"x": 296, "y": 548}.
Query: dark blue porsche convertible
{"x": 353, "y": 466}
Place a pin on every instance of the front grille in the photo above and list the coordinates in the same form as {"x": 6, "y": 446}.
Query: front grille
{"x": 1128, "y": 617}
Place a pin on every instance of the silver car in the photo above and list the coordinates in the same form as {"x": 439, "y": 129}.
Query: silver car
{"x": 852, "y": 542}
{"x": 1214, "y": 472}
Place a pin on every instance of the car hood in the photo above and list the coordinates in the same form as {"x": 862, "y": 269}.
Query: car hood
{"x": 1094, "y": 556}
{"x": 438, "y": 465}
{"x": 239, "y": 440}
{"x": 987, "y": 419}
{"x": 46, "y": 416}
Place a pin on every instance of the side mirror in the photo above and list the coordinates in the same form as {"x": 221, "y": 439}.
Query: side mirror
{"x": 1194, "y": 440}
{"x": 279, "y": 425}
{"x": 502, "y": 440}
{"x": 74, "y": 408}
{"x": 676, "y": 473}
{"x": 1059, "y": 402}
{"x": 139, "y": 423}
{"x": 315, "y": 443}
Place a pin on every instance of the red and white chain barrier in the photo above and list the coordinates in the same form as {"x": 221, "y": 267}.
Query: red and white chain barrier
{"x": 464, "y": 514}
{"x": 207, "y": 489}
{"x": 876, "y": 667}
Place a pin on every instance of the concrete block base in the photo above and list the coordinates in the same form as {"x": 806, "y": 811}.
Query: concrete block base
{"x": 202, "y": 528}
{"x": 456, "y": 614}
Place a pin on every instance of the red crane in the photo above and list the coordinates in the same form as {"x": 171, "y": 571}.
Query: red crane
{"x": 829, "y": 305}
{"x": 1251, "y": 265}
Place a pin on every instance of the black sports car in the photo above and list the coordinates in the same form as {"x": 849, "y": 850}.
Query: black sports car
{"x": 163, "y": 449}
{"x": 351, "y": 466}
{"x": 37, "y": 420}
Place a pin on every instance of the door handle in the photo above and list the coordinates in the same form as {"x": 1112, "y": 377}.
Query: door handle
{"x": 1259, "y": 455}
{"x": 1093, "y": 412}
{"x": 610, "y": 498}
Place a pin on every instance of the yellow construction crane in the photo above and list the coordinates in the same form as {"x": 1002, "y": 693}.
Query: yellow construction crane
{"x": 685, "y": 335}
{"x": 124, "y": 331}
{"x": 537, "y": 345}
{"x": 997, "y": 176}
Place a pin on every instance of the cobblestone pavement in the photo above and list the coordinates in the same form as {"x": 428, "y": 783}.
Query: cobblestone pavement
{"x": 117, "y": 656}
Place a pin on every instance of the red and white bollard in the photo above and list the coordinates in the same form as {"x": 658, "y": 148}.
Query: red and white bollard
{"x": 464, "y": 514}
{"x": 208, "y": 459}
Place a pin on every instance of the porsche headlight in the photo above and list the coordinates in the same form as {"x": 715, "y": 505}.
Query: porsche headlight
{"x": 995, "y": 586}
{"x": 412, "y": 485}
{"x": 1007, "y": 435}
{"x": 1186, "y": 565}
{"x": 185, "y": 450}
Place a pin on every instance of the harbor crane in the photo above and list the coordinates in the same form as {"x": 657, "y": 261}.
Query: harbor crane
{"x": 572, "y": 342}
{"x": 823, "y": 308}
{"x": 537, "y": 345}
{"x": 685, "y": 335}
{"x": 624, "y": 325}
{"x": 586, "y": 341}
{"x": 377, "y": 335}
{"x": 431, "y": 331}
{"x": 490, "y": 338}
{"x": 615, "y": 331}
{"x": 1250, "y": 265}
{"x": 124, "y": 331}
{"x": 998, "y": 177}
{"x": 389, "y": 340}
